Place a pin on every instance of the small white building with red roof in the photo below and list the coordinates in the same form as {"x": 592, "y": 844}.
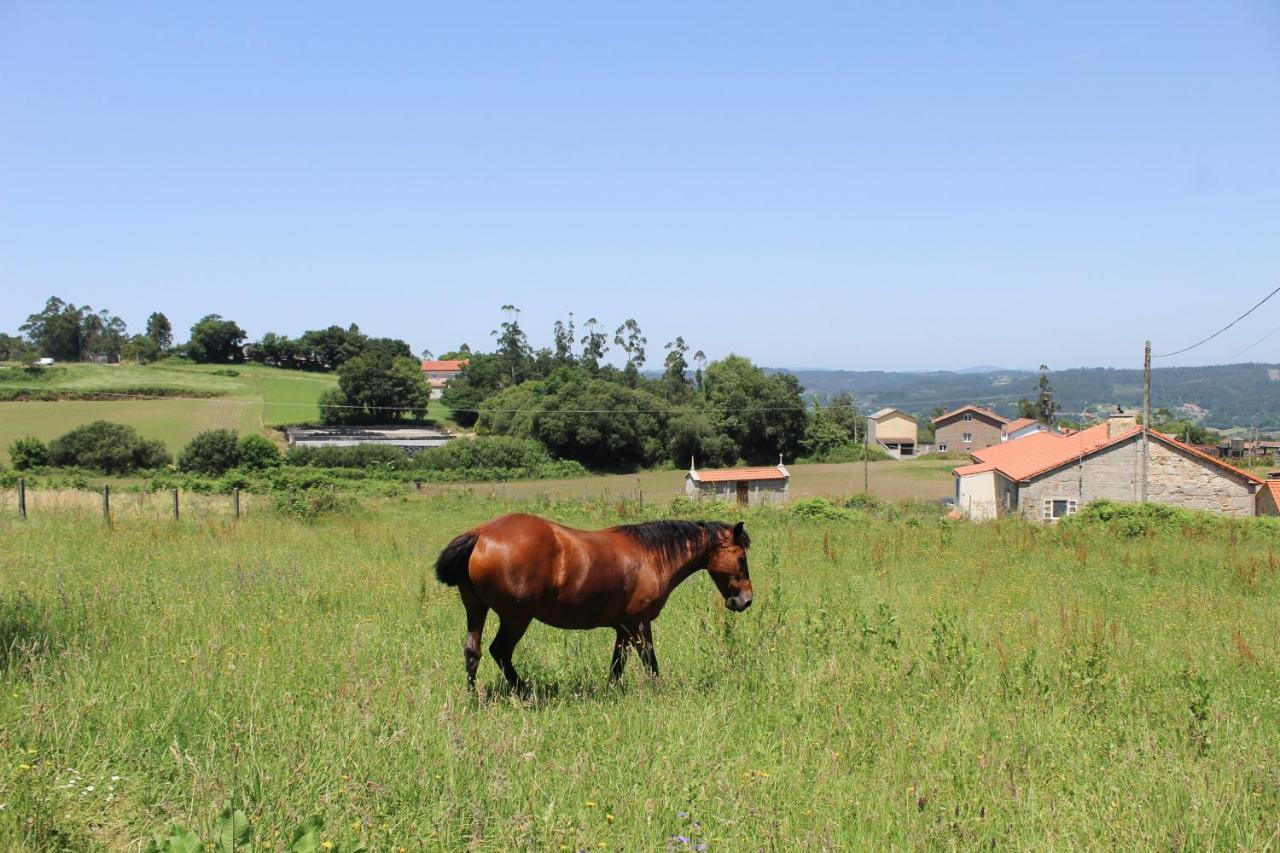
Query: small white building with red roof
{"x": 744, "y": 486}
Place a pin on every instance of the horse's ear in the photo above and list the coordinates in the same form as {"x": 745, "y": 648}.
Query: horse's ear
{"x": 740, "y": 535}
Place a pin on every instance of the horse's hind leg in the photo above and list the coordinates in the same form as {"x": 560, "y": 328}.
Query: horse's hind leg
{"x": 510, "y": 630}
{"x": 477, "y": 610}
{"x": 644, "y": 646}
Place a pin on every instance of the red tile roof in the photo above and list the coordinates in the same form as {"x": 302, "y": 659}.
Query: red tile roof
{"x": 443, "y": 365}
{"x": 1274, "y": 487}
{"x": 721, "y": 475}
{"x": 1040, "y": 453}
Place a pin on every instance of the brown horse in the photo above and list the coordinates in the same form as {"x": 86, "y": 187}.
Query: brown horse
{"x": 525, "y": 568}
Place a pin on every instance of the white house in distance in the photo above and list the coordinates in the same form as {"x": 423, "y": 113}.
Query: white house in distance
{"x": 1021, "y": 428}
{"x": 437, "y": 373}
{"x": 745, "y": 486}
{"x": 1045, "y": 476}
{"x": 894, "y": 430}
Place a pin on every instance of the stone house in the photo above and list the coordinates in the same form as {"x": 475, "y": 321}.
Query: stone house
{"x": 1269, "y": 497}
{"x": 1045, "y": 476}
{"x": 894, "y": 430}
{"x": 744, "y": 486}
{"x": 967, "y": 428}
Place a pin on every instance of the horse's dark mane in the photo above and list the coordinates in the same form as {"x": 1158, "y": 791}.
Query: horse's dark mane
{"x": 679, "y": 539}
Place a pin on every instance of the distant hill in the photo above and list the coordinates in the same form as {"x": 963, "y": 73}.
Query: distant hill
{"x": 1230, "y": 395}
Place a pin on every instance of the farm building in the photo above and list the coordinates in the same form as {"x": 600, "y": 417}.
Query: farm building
{"x": 1021, "y": 428}
{"x": 1046, "y": 476}
{"x": 1269, "y": 496}
{"x": 437, "y": 373}
{"x": 894, "y": 430}
{"x": 968, "y": 428}
{"x": 746, "y": 486}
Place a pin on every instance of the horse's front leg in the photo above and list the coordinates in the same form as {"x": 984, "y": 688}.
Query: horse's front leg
{"x": 620, "y": 643}
{"x": 644, "y": 646}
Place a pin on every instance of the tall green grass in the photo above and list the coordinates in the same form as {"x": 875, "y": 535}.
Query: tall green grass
{"x": 907, "y": 683}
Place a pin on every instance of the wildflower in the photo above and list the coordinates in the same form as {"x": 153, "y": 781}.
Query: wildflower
{"x": 116, "y": 778}
{"x": 609, "y": 818}
{"x": 591, "y": 804}
{"x": 682, "y": 815}
{"x": 680, "y": 839}
{"x": 327, "y": 845}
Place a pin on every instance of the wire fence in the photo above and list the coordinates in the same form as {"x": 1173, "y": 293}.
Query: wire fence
{"x": 110, "y": 504}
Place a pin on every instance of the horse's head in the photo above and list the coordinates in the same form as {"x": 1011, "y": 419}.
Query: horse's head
{"x": 728, "y": 567}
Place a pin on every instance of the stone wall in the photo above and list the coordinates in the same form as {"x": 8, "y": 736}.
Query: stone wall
{"x": 1176, "y": 477}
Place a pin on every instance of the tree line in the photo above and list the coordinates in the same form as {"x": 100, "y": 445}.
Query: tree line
{"x": 578, "y": 406}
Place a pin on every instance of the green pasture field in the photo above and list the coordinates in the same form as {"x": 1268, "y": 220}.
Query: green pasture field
{"x": 901, "y": 684}
{"x": 174, "y": 421}
{"x": 920, "y": 479}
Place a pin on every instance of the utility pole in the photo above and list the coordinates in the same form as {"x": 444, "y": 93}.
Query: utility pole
{"x": 1146, "y": 421}
{"x": 866, "y": 474}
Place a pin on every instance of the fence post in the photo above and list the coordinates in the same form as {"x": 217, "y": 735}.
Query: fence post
{"x": 235, "y": 502}
{"x": 22, "y": 497}
{"x": 174, "y": 493}
{"x": 106, "y": 504}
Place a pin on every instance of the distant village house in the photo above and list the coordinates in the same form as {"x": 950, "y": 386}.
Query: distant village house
{"x": 437, "y": 373}
{"x": 894, "y": 430}
{"x": 744, "y": 486}
{"x": 967, "y": 429}
{"x": 1021, "y": 428}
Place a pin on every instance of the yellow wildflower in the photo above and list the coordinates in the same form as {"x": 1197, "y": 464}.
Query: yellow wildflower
{"x": 609, "y": 818}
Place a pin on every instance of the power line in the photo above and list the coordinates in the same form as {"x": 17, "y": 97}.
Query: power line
{"x": 1250, "y": 346}
{"x": 1223, "y": 329}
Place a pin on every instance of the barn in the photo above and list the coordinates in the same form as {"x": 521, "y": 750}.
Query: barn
{"x": 745, "y": 486}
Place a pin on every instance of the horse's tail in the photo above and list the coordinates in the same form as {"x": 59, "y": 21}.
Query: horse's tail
{"x": 452, "y": 563}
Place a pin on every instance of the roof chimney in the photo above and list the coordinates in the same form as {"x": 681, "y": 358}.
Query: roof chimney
{"x": 1120, "y": 424}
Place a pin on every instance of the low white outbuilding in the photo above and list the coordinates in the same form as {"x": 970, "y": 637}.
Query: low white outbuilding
{"x": 745, "y": 486}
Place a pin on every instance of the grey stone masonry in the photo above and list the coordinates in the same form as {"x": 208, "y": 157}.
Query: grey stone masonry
{"x": 1176, "y": 477}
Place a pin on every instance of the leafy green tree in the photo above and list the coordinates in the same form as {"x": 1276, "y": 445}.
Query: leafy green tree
{"x": 513, "y": 411}
{"x": 481, "y": 377}
{"x": 594, "y": 344}
{"x": 824, "y": 436}
{"x": 160, "y": 330}
{"x": 330, "y": 348}
{"x": 763, "y": 414}
{"x": 628, "y": 337}
{"x": 28, "y": 452}
{"x": 374, "y": 387}
{"x": 391, "y": 347}
{"x": 602, "y": 424}
{"x": 563, "y": 339}
{"x": 212, "y": 453}
{"x": 692, "y": 438}
{"x": 102, "y": 334}
{"x": 513, "y": 345}
{"x": 57, "y": 331}
{"x": 1045, "y": 406}
{"x": 257, "y": 452}
{"x": 142, "y": 349}
{"x": 216, "y": 341}
{"x": 15, "y": 348}
{"x": 107, "y": 447}
{"x": 842, "y": 409}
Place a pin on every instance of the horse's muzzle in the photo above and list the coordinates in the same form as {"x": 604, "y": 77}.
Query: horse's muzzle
{"x": 738, "y": 603}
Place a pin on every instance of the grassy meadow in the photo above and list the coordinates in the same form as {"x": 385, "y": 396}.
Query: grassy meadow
{"x": 909, "y": 683}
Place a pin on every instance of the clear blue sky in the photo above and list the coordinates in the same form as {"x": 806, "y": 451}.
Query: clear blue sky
{"x": 863, "y": 186}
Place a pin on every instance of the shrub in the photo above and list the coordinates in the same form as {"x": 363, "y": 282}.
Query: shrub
{"x": 212, "y": 452}
{"x": 354, "y": 456}
{"x": 258, "y": 453}
{"x": 107, "y": 448}
{"x": 28, "y": 452}
{"x": 496, "y": 451}
{"x": 820, "y": 509}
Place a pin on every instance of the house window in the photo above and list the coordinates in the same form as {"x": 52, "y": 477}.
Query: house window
{"x": 942, "y": 448}
{"x": 1055, "y": 508}
{"x": 967, "y": 437}
{"x": 968, "y": 416}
